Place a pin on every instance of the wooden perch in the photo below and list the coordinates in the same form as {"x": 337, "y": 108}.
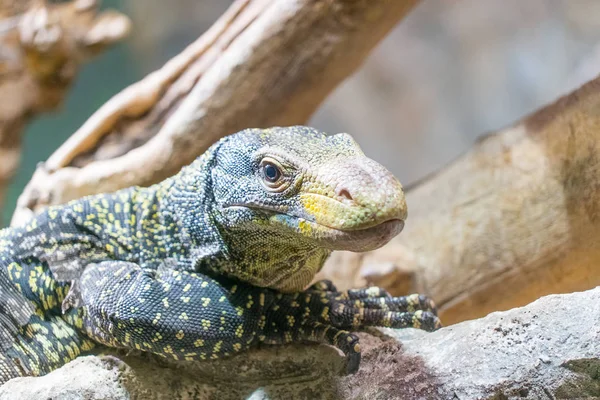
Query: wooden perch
{"x": 505, "y": 224}
{"x": 42, "y": 47}
{"x": 516, "y": 218}
{"x": 263, "y": 63}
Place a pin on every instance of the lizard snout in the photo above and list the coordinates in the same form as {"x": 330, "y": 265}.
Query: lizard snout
{"x": 370, "y": 192}
{"x": 354, "y": 194}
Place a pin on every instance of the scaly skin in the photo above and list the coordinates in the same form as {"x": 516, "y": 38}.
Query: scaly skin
{"x": 208, "y": 263}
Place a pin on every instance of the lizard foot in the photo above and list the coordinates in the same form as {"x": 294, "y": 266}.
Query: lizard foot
{"x": 321, "y": 314}
{"x": 372, "y": 306}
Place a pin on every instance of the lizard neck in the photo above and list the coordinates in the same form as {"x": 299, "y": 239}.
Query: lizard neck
{"x": 189, "y": 200}
{"x": 266, "y": 258}
{"x": 273, "y": 259}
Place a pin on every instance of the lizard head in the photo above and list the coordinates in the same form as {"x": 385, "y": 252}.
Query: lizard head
{"x": 304, "y": 184}
{"x": 284, "y": 198}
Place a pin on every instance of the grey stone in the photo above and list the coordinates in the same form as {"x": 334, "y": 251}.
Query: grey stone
{"x": 549, "y": 349}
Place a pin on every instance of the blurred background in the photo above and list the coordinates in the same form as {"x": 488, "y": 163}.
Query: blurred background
{"x": 450, "y": 72}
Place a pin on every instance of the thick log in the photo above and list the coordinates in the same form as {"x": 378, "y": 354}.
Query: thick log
{"x": 516, "y": 218}
{"x": 42, "y": 48}
{"x": 263, "y": 63}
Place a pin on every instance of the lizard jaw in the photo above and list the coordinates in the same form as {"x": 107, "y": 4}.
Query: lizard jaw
{"x": 356, "y": 240}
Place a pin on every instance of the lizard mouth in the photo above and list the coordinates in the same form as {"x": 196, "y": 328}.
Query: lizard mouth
{"x": 356, "y": 240}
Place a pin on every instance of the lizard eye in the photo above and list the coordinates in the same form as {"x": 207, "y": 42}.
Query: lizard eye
{"x": 271, "y": 173}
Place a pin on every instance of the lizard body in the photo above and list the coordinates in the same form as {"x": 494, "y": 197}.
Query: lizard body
{"x": 210, "y": 262}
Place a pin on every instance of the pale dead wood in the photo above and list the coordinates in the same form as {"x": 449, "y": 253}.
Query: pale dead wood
{"x": 42, "y": 47}
{"x": 516, "y": 218}
{"x": 500, "y": 227}
{"x": 264, "y": 63}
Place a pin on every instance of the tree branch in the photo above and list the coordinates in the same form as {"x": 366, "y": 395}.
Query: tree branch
{"x": 263, "y": 63}
{"x": 42, "y": 47}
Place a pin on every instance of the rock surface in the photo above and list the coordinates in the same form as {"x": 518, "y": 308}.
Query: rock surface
{"x": 549, "y": 349}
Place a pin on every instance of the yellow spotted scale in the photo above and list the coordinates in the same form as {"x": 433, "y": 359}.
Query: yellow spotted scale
{"x": 210, "y": 262}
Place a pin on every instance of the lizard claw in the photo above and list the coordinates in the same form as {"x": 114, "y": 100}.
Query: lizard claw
{"x": 352, "y": 363}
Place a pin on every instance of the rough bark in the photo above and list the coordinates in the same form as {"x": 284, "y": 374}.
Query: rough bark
{"x": 42, "y": 47}
{"x": 263, "y": 63}
{"x": 516, "y": 218}
{"x": 505, "y": 224}
{"x": 539, "y": 351}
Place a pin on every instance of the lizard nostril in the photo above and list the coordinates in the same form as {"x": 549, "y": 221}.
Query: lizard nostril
{"x": 345, "y": 194}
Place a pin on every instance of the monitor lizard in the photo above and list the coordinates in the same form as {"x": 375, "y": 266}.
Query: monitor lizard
{"x": 210, "y": 262}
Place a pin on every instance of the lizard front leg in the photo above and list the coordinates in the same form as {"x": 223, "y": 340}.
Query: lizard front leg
{"x": 175, "y": 314}
{"x": 190, "y": 316}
